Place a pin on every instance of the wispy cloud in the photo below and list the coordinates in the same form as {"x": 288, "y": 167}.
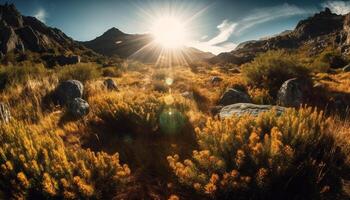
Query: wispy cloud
{"x": 263, "y": 15}
{"x": 226, "y": 29}
{"x": 220, "y": 42}
{"x": 41, "y": 15}
{"x": 338, "y": 7}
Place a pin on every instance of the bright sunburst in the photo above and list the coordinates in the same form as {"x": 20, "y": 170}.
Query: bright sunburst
{"x": 169, "y": 32}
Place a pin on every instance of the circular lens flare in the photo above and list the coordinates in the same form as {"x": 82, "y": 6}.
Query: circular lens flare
{"x": 169, "y": 32}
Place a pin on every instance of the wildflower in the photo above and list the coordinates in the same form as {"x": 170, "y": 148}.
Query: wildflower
{"x": 210, "y": 188}
{"x": 197, "y": 186}
{"x": 23, "y": 179}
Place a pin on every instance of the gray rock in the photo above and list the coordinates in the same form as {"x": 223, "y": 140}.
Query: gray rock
{"x": 346, "y": 68}
{"x": 215, "y": 80}
{"x": 67, "y": 91}
{"x": 293, "y": 92}
{"x": 78, "y": 108}
{"x": 110, "y": 84}
{"x": 232, "y": 96}
{"x": 5, "y": 114}
{"x": 240, "y": 109}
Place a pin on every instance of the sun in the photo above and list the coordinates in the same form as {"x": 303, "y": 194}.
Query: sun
{"x": 169, "y": 32}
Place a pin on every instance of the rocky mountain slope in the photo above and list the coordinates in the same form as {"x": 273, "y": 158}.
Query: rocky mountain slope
{"x": 22, "y": 34}
{"x": 324, "y": 29}
{"x": 139, "y": 46}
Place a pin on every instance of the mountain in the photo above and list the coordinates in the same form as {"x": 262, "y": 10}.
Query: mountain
{"x": 22, "y": 34}
{"x": 324, "y": 29}
{"x": 140, "y": 47}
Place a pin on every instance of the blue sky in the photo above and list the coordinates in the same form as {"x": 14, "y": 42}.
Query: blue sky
{"x": 215, "y": 25}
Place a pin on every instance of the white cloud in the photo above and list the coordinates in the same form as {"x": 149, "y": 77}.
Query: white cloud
{"x": 338, "y": 7}
{"x": 226, "y": 29}
{"x": 41, "y": 15}
{"x": 219, "y": 43}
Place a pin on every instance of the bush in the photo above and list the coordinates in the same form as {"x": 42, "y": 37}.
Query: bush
{"x": 139, "y": 112}
{"x": 82, "y": 72}
{"x": 38, "y": 166}
{"x": 271, "y": 69}
{"x": 20, "y": 74}
{"x": 292, "y": 156}
{"x": 111, "y": 72}
{"x": 260, "y": 96}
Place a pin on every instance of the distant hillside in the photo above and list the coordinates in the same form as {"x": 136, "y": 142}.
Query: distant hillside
{"x": 140, "y": 47}
{"x": 324, "y": 29}
{"x": 22, "y": 34}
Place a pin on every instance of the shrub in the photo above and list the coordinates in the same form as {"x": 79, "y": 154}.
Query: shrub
{"x": 20, "y": 74}
{"x": 260, "y": 96}
{"x": 292, "y": 156}
{"x": 139, "y": 112}
{"x": 38, "y": 166}
{"x": 82, "y": 72}
{"x": 111, "y": 72}
{"x": 333, "y": 58}
{"x": 271, "y": 69}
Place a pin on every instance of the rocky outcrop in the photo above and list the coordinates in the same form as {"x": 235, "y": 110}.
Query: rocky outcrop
{"x": 240, "y": 109}
{"x": 293, "y": 93}
{"x": 67, "y": 91}
{"x": 232, "y": 96}
{"x": 78, "y": 108}
{"x": 318, "y": 32}
{"x": 321, "y": 23}
{"x": 21, "y": 34}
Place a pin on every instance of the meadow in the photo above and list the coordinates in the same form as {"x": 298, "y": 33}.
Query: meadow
{"x": 157, "y": 135}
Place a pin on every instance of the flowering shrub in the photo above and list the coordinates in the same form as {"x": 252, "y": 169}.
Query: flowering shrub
{"x": 265, "y": 157}
{"x": 141, "y": 112}
{"x": 269, "y": 70}
{"x": 38, "y": 166}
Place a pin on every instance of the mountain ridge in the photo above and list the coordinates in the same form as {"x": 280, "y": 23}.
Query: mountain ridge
{"x": 319, "y": 31}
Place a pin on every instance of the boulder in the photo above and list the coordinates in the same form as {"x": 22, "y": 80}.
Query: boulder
{"x": 346, "y": 68}
{"x": 67, "y": 91}
{"x": 78, "y": 108}
{"x": 232, "y": 96}
{"x": 110, "y": 84}
{"x": 293, "y": 93}
{"x": 5, "y": 114}
{"x": 240, "y": 109}
{"x": 215, "y": 80}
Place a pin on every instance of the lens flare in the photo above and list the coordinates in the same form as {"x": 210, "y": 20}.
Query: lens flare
{"x": 171, "y": 121}
{"x": 169, "y": 81}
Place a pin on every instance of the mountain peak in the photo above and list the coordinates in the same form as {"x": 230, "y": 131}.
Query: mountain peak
{"x": 113, "y": 32}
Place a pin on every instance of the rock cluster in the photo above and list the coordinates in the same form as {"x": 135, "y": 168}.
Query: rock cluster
{"x": 24, "y": 33}
{"x": 69, "y": 93}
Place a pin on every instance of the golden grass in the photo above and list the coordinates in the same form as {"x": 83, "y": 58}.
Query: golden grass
{"x": 128, "y": 121}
